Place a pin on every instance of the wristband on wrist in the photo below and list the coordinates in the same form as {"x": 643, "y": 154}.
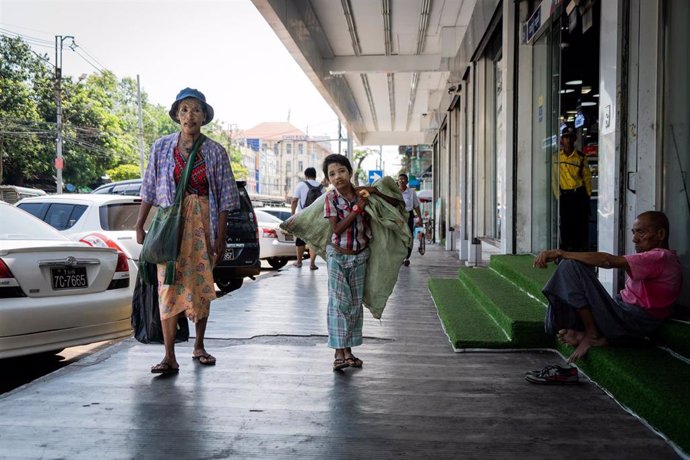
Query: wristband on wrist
{"x": 357, "y": 210}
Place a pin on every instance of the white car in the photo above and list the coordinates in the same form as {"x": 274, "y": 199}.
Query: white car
{"x": 280, "y": 212}
{"x": 56, "y": 292}
{"x": 275, "y": 246}
{"x": 99, "y": 220}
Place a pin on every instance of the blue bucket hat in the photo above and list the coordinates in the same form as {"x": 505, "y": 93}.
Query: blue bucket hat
{"x": 194, "y": 94}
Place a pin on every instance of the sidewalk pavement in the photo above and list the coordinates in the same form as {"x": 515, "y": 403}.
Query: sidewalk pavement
{"x": 273, "y": 393}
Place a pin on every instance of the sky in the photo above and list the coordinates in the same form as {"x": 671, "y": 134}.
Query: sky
{"x": 224, "y": 48}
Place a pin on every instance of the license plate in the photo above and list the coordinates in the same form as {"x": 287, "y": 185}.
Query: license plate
{"x": 69, "y": 278}
{"x": 229, "y": 254}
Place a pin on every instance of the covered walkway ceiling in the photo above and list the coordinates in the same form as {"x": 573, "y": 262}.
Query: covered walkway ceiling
{"x": 384, "y": 66}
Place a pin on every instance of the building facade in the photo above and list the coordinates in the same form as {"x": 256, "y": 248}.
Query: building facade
{"x": 282, "y": 152}
{"x": 617, "y": 72}
{"x": 490, "y": 84}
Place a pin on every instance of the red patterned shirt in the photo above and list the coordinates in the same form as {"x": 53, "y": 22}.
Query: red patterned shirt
{"x": 198, "y": 182}
{"x": 356, "y": 237}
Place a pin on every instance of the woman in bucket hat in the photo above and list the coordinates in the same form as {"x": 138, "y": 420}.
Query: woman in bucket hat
{"x": 211, "y": 193}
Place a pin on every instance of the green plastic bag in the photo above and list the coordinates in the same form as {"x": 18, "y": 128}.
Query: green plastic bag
{"x": 391, "y": 238}
{"x": 162, "y": 241}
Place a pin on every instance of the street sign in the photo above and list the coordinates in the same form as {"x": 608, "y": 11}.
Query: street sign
{"x": 374, "y": 175}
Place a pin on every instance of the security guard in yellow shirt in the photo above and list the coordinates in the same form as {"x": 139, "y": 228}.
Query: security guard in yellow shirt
{"x": 573, "y": 186}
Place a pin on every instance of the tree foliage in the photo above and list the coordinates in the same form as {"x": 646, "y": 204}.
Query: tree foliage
{"x": 124, "y": 172}
{"x": 100, "y": 123}
{"x": 359, "y": 174}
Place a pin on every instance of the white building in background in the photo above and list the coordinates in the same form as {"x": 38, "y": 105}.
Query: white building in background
{"x": 283, "y": 152}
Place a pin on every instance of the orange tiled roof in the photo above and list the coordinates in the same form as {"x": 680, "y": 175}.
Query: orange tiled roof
{"x": 272, "y": 131}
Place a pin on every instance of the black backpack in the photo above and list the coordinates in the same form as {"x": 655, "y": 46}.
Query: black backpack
{"x": 314, "y": 192}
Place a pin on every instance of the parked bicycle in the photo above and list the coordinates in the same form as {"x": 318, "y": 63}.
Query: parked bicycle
{"x": 429, "y": 230}
{"x": 420, "y": 234}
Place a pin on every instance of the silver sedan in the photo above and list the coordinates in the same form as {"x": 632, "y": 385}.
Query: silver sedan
{"x": 57, "y": 293}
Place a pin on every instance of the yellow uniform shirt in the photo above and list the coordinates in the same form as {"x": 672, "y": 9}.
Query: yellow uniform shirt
{"x": 566, "y": 172}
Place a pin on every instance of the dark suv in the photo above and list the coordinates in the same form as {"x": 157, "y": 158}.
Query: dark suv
{"x": 241, "y": 258}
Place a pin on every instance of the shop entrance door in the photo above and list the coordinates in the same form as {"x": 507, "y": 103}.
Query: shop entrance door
{"x": 565, "y": 91}
{"x": 579, "y": 109}
{"x": 545, "y": 118}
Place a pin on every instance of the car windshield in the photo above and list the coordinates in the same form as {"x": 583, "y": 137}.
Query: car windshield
{"x": 20, "y": 225}
{"x": 121, "y": 216}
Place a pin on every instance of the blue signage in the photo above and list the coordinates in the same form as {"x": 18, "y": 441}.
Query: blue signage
{"x": 374, "y": 175}
{"x": 532, "y": 26}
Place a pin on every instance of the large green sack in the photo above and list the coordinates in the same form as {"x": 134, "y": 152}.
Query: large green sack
{"x": 391, "y": 238}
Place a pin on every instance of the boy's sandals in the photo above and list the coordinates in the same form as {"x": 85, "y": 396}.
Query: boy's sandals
{"x": 164, "y": 368}
{"x": 313, "y": 267}
{"x": 340, "y": 363}
{"x": 297, "y": 264}
{"x": 205, "y": 359}
{"x": 354, "y": 361}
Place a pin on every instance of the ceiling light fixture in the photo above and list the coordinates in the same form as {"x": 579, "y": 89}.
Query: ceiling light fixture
{"x": 573, "y": 82}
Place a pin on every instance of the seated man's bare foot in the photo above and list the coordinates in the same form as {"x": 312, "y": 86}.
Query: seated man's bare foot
{"x": 585, "y": 344}
{"x": 570, "y": 336}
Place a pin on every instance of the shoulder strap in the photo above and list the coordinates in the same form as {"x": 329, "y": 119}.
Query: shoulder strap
{"x": 309, "y": 185}
{"x": 184, "y": 180}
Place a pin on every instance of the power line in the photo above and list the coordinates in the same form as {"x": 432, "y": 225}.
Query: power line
{"x": 77, "y": 49}
{"x": 35, "y": 41}
{"x": 27, "y": 38}
{"x": 90, "y": 56}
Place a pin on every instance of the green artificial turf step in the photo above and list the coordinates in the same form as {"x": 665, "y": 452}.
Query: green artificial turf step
{"x": 464, "y": 320}
{"x": 521, "y": 316}
{"x": 676, "y": 336}
{"x": 518, "y": 269}
{"x": 646, "y": 379}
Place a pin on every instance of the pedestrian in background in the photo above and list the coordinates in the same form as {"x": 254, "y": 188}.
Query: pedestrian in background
{"x": 412, "y": 207}
{"x": 211, "y": 193}
{"x": 572, "y": 184}
{"x": 300, "y": 200}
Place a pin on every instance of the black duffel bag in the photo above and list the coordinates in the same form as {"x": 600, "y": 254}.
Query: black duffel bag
{"x": 146, "y": 319}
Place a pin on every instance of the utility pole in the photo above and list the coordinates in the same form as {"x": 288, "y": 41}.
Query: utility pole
{"x": 141, "y": 130}
{"x": 59, "y": 161}
{"x": 340, "y": 136}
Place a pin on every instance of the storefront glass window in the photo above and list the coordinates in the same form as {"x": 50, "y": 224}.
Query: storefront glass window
{"x": 676, "y": 133}
{"x": 544, "y": 144}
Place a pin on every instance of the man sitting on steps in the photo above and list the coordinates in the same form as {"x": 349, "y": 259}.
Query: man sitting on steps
{"x": 583, "y": 314}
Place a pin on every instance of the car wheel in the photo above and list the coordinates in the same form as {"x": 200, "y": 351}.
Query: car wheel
{"x": 277, "y": 262}
{"x": 229, "y": 285}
